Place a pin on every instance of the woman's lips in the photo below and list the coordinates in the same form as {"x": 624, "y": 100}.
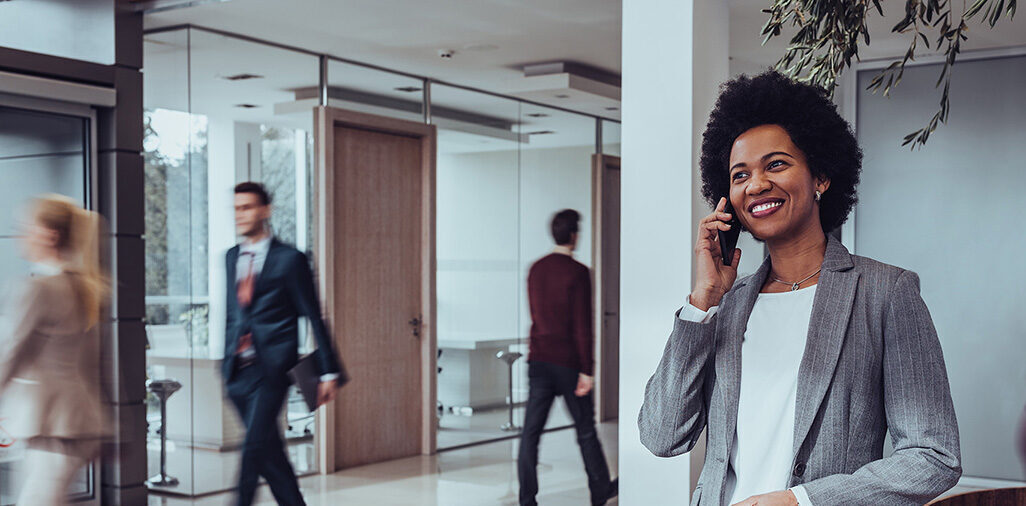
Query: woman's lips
{"x": 766, "y": 209}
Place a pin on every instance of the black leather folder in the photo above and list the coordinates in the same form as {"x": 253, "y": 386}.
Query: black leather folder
{"x": 307, "y": 377}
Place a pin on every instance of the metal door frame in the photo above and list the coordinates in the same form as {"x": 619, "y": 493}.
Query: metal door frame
{"x": 79, "y": 110}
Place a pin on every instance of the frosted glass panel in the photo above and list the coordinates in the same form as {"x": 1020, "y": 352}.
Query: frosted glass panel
{"x": 39, "y": 153}
{"x": 950, "y": 213}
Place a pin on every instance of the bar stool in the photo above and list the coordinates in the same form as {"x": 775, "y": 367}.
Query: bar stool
{"x": 509, "y": 357}
{"x": 163, "y": 388}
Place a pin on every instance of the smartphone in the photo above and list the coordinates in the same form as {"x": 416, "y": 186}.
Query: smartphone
{"x": 728, "y": 239}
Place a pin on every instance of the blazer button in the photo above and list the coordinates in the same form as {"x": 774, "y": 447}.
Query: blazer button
{"x": 799, "y": 469}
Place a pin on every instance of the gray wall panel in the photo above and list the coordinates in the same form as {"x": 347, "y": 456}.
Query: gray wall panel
{"x": 951, "y": 212}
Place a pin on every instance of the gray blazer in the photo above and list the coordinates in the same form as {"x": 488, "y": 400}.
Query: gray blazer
{"x": 872, "y": 363}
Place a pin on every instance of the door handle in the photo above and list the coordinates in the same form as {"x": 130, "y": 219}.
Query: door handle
{"x": 415, "y": 323}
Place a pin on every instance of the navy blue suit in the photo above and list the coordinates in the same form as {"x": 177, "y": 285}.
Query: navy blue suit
{"x": 284, "y": 291}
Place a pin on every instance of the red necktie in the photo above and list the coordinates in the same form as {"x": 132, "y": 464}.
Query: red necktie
{"x": 244, "y": 293}
{"x": 244, "y": 290}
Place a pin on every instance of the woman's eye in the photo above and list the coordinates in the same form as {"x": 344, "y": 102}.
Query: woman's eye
{"x": 775, "y": 164}
{"x": 738, "y": 175}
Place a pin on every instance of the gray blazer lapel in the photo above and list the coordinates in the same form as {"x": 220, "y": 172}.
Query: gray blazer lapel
{"x": 732, "y": 320}
{"x": 835, "y": 294}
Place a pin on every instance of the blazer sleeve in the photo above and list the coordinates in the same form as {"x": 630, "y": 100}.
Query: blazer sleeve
{"x": 920, "y": 415}
{"x": 20, "y": 349}
{"x": 304, "y": 295}
{"x": 675, "y": 409}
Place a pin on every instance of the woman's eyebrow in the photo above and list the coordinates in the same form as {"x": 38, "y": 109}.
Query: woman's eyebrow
{"x": 775, "y": 153}
{"x": 764, "y": 158}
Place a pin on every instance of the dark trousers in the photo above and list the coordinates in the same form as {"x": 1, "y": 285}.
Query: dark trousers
{"x": 547, "y": 381}
{"x": 259, "y": 400}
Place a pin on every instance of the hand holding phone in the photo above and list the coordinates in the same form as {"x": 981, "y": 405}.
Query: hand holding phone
{"x": 728, "y": 238}
{"x": 716, "y": 263}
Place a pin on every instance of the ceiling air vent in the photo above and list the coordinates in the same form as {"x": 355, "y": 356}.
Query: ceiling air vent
{"x": 541, "y": 132}
{"x": 247, "y": 106}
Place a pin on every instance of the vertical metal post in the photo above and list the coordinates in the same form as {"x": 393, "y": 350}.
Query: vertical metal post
{"x": 598, "y": 136}
{"x": 323, "y": 83}
{"x": 427, "y": 101}
{"x": 512, "y": 425}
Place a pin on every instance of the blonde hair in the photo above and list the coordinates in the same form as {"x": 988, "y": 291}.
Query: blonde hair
{"x": 78, "y": 242}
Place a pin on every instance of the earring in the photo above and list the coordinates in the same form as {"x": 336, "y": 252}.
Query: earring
{"x": 818, "y": 195}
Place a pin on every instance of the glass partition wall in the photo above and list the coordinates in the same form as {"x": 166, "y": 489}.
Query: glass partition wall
{"x": 217, "y": 112}
{"x": 221, "y": 109}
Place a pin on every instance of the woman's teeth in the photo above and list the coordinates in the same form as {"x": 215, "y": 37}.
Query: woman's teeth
{"x": 763, "y": 207}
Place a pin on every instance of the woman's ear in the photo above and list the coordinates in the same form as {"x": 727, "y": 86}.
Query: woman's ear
{"x": 822, "y": 184}
{"x": 50, "y": 236}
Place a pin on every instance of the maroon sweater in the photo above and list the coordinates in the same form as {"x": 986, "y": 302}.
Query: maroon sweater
{"x": 559, "y": 291}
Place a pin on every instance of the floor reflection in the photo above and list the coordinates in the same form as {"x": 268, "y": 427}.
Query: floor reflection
{"x": 480, "y": 475}
{"x": 457, "y": 430}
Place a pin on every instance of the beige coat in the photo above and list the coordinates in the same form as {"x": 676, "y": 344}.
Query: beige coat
{"x": 50, "y": 365}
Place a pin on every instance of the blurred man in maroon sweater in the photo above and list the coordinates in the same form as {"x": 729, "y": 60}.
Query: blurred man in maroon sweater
{"x": 561, "y": 360}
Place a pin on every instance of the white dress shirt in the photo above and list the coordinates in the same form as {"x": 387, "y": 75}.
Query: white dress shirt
{"x": 771, "y": 354}
{"x": 256, "y": 253}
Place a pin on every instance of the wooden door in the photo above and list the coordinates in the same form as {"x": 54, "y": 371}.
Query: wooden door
{"x": 378, "y": 246}
{"x": 606, "y": 252}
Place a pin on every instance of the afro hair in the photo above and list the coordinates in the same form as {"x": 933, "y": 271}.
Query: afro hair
{"x": 810, "y": 119}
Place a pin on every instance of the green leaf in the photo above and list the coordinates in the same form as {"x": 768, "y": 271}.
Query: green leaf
{"x": 975, "y": 8}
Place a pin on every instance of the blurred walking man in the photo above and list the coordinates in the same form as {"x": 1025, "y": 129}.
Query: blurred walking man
{"x": 561, "y": 360}
{"x": 273, "y": 287}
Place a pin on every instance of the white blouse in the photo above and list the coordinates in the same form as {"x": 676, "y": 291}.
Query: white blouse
{"x": 771, "y": 354}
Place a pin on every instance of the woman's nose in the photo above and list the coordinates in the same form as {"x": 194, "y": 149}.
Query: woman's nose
{"x": 757, "y": 183}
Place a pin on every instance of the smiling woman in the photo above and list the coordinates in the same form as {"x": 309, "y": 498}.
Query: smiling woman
{"x": 800, "y": 120}
{"x": 799, "y": 370}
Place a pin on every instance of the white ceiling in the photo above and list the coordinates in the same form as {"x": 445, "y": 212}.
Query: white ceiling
{"x": 492, "y": 39}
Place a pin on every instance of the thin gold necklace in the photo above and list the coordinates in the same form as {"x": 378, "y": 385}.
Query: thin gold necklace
{"x": 794, "y": 286}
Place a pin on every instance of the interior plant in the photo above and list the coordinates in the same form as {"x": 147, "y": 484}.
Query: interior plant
{"x": 829, "y": 33}
{"x": 196, "y": 325}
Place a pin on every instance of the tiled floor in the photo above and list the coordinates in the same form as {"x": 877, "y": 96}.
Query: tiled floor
{"x": 481, "y": 475}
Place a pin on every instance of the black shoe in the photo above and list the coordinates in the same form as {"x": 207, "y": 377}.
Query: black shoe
{"x": 612, "y": 491}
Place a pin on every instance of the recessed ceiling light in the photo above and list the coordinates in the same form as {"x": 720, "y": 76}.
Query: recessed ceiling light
{"x": 242, "y": 77}
{"x": 247, "y": 106}
{"x": 537, "y": 115}
{"x": 408, "y": 89}
{"x": 562, "y": 95}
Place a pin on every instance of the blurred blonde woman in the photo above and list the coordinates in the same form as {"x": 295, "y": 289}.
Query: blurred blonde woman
{"x": 50, "y": 357}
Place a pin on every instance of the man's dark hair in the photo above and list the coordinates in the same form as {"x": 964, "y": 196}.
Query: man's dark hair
{"x": 810, "y": 119}
{"x": 564, "y": 224}
{"x": 256, "y": 189}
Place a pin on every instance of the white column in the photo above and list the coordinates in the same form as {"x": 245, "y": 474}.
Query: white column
{"x": 710, "y": 68}
{"x": 674, "y": 56}
{"x": 228, "y": 152}
{"x": 302, "y": 204}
